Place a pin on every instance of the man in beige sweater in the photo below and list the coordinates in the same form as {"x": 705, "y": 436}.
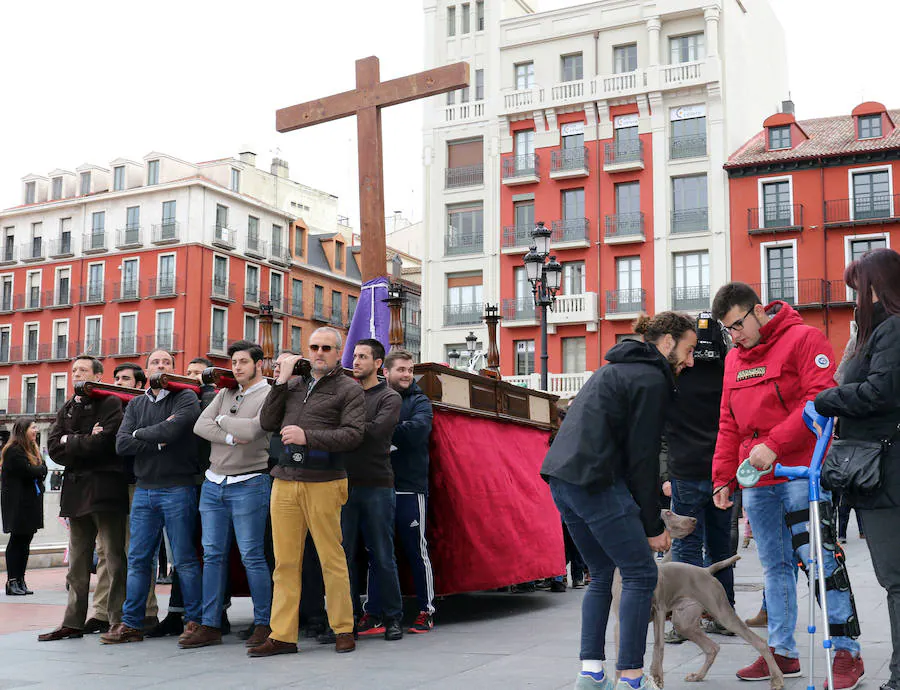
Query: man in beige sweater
{"x": 235, "y": 495}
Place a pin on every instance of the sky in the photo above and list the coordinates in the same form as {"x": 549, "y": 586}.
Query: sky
{"x": 199, "y": 80}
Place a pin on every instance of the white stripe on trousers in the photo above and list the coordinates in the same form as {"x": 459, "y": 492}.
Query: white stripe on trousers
{"x": 423, "y": 548}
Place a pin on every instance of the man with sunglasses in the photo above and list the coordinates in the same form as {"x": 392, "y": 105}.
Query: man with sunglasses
{"x": 235, "y": 495}
{"x": 319, "y": 418}
{"x": 778, "y": 365}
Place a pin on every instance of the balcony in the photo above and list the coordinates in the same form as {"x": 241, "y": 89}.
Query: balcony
{"x": 775, "y": 218}
{"x": 623, "y": 156}
{"x": 224, "y": 237}
{"x": 61, "y": 351}
{"x": 687, "y": 147}
{"x": 839, "y": 294}
{"x": 466, "y": 176}
{"x": 463, "y": 111}
{"x": 162, "y": 287}
{"x": 6, "y": 304}
{"x": 256, "y": 247}
{"x": 33, "y": 251}
{"x": 625, "y": 304}
{"x": 627, "y": 83}
{"x": 863, "y": 210}
{"x": 517, "y": 237}
{"x": 297, "y": 309}
{"x": 129, "y": 237}
{"x": 682, "y": 74}
{"x": 221, "y": 291}
{"x": 566, "y": 163}
{"x": 127, "y": 291}
{"x": 276, "y": 300}
{"x": 576, "y": 308}
{"x": 690, "y": 220}
{"x": 164, "y": 340}
{"x": 94, "y": 242}
{"x": 280, "y": 255}
{"x": 690, "y": 298}
{"x": 518, "y": 312}
{"x": 524, "y": 169}
{"x": 463, "y": 242}
{"x": 217, "y": 344}
{"x": 167, "y": 232}
{"x": 8, "y": 256}
{"x": 808, "y": 293}
{"x": 61, "y": 248}
{"x": 92, "y": 293}
{"x": 126, "y": 346}
{"x": 30, "y": 352}
{"x": 570, "y": 92}
{"x": 573, "y": 232}
{"x": 90, "y": 346}
{"x": 623, "y": 228}
{"x": 523, "y": 99}
{"x": 251, "y": 297}
{"x": 30, "y": 301}
{"x": 462, "y": 314}
{"x": 57, "y": 299}
{"x": 563, "y": 385}
{"x": 336, "y": 319}
{"x": 321, "y": 313}
{"x": 12, "y": 354}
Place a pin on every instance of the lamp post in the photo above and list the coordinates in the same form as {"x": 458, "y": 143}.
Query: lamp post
{"x": 471, "y": 342}
{"x": 453, "y": 356}
{"x": 545, "y": 278}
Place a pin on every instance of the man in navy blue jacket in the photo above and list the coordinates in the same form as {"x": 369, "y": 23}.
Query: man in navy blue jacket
{"x": 410, "y": 462}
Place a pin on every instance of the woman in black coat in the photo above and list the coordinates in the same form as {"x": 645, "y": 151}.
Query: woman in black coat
{"x": 867, "y": 405}
{"x": 22, "y": 472}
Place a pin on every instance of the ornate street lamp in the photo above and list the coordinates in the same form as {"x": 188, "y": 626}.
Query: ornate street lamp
{"x": 545, "y": 278}
{"x": 453, "y": 356}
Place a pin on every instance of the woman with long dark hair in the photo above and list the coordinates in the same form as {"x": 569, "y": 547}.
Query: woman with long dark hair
{"x": 867, "y": 405}
{"x": 22, "y": 472}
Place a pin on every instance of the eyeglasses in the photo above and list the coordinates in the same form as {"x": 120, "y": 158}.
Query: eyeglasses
{"x": 323, "y": 348}
{"x": 739, "y": 324}
{"x": 237, "y": 403}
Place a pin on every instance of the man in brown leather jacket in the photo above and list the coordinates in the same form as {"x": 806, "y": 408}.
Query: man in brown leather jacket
{"x": 318, "y": 417}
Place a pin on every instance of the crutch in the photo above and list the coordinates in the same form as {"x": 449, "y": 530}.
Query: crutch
{"x": 822, "y": 428}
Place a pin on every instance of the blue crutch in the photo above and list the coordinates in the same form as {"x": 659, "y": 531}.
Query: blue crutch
{"x": 822, "y": 428}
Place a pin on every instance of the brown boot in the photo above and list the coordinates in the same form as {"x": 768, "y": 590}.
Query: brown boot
{"x": 203, "y": 636}
{"x": 121, "y": 634}
{"x": 272, "y": 647}
{"x": 259, "y": 635}
{"x": 344, "y": 643}
{"x": 189, "y": 629}
{"x": 760, "y": 620}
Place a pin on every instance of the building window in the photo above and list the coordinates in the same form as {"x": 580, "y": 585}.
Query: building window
{"x": 479, "y": 15}
{"x": 573, "y": 278}
{"x": 691, "y": 289}
{"x": 337, "y": 308}
{"x": 572, "y": 67}
{"x": 479, "y": 85}
{"x": 465, "y": 163}
{"x": 32, "y": 337}
{"x": 250, "y": 328}
{"x": 251, "y": 284}
{"x": 777, "y": 209}
{"x": 33, "y": 295}
{"x": 217, "y": 338}
{"x": 5, "y": 335}
{"x": 58, "y": 391}
{"x": 221, "y": 221}
{"x": 688, "y": 132}
{"x": 466, "y": 18}
{"x": 168, "y": 213}
{"x": 524, "y": 76}
{"x": 165, "y": 330}
{"x": 869, "y": 126}
{"x": 128, "y": 334}
{"x": 779, "y": 138}
{"x": 253, "y": 233}
{"x": 352, "y": 301}
{"x": 690, "y": 207}
{"x": 118, "y": 178}
{"x": 574, "y": 351}
{"x": 6, "y": 294}
{"x": 339, "y": 256}
{"x": 524, "y": 357}
{"x": 97, "y": 239}
{"x": 152, "y": 172}
{"x": 296, "y": 297}
{"x": 572, "y": 204}
{"x": 63, "y": 282}
{"x": 130, "y": 279}
{"x": 92, "y": 335}
{"x": 29, "y": 394}
{"x": 628, "y": 143}
{"x": 85, "y": 183}
{"x": 319, "y": 302}
{"x": 860, "y": 247}
{"x": 296, "y": 339}
{"x": 220, "y": 276}
{"x": 276, "y": 289}
{"x": 95, "y": 283}
{"x": 30, "y": 194}
{"x": 277, "y": 337}
{"x": 37, "y": 249}
{"x": 61, "y": 340}
{"x": 235, "y": 180}
{"x": 451, "y": 97}
{"x": 780, "y": 274}
{"x": 65, "y": 235}
{"x": 464, "y": 299}
{"x": 57, "y": 187}
{"x": 689, "y": 48}
{"x": 872, "y": 195}
{"x": 451, "y": 21}
{"x": 625, "y": 58}
{"x": 628, "y": 281}
{"x": 628, "y": 204}
{"x": 465, "y": 234}
{"x": 299, "y": 241}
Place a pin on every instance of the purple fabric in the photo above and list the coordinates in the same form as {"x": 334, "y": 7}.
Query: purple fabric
{"x": 371, "y": 299}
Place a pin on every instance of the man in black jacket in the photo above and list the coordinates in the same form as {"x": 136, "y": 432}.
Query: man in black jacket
{"x": 158, "y": 430}
{"x": 94, "y": 496}
{"x": 409, "y": 459}
{"x": 603, "y": 470}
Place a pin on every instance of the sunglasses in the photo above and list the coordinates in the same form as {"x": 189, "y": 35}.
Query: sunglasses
{"x": 237, "y": 403}
{"x": 739, "y": 324}
{"x": 323, "y": 348}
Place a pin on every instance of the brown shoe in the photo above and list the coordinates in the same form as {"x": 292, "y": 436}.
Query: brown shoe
{"x": 344, "y": 643}
{"x": 260, "y": 634}
{"x": 95, "y": 625}
{"x": 272, "y": 647}
{"x": 61, "y": 633}
{"x": 120, "y": 634}
{"x": 203, "y": 636}
{"x": 760, "y": 620}
{"x": 189, "y": 629}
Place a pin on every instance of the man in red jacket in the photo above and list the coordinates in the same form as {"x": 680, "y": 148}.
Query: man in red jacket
{"x": 779, "y": 363}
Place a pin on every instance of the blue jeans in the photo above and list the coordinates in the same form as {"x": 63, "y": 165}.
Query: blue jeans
{"x": 693, "y": 498}
{"x": 606, "y": 527}
{"x": 175, "y": 508}
{"x": 767, "y": 507}
{"x": 371, "y": 510}
{"x": 243, "y": 507}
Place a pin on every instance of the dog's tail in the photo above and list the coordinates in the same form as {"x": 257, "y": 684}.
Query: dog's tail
{"x": 721, "y": 565}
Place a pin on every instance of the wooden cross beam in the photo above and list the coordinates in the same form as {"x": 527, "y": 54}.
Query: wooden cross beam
{"x": 366, "y": 101}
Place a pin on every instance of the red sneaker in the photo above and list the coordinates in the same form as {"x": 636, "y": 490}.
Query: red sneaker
{"x": 759, "y": 669}
{"x": 847, "y": 671}
{"x": 424, "y": 623}
{"x": 369, "y": 626}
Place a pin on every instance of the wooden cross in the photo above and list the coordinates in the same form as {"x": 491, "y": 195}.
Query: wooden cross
{"x": 366, "y": 101}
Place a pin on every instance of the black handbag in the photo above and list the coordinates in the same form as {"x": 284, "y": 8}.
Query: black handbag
{"x": 855, "y": 467}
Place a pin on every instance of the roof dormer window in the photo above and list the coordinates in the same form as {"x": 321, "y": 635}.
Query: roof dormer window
{"x": 30, "y": 192}
{"x": 779, "y": 138}
{"x": 869, "y": 126}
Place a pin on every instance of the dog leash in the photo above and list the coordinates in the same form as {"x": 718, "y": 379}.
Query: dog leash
{"x": 711, "y": 498}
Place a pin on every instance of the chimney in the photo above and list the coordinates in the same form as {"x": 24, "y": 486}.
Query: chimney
{"x": 248, "y": 157}
{"x": 279, "y": 167}
{"x": 787, "y": 107}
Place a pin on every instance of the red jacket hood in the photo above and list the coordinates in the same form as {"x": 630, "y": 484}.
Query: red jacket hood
{"x": 782, "y": 317}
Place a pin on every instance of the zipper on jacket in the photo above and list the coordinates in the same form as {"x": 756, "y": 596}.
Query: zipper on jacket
{"x": 780, "y": 398}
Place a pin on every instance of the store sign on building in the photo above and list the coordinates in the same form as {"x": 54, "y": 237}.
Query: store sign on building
{"x": 623, "y": 121}
{"x": 687, "y": 112}
{"x": 570, "y": 129}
